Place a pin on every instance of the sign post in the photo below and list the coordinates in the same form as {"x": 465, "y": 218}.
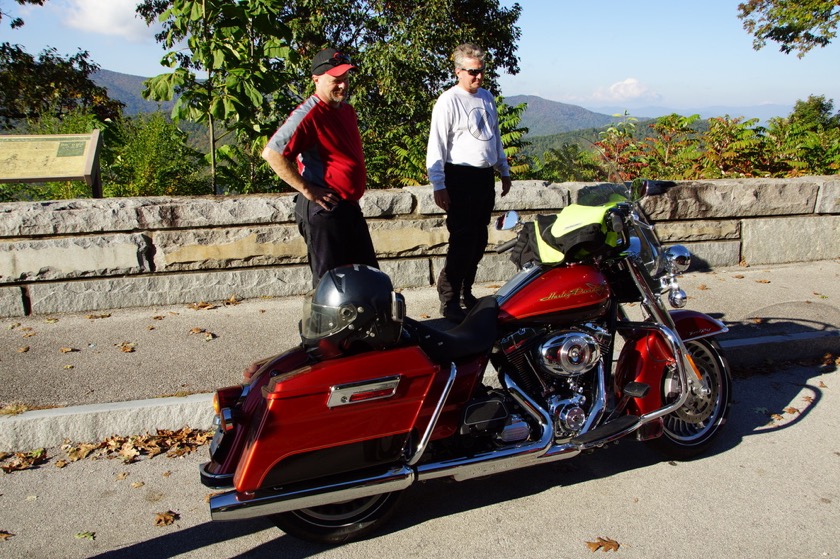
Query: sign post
{"x": 59, "y": 157}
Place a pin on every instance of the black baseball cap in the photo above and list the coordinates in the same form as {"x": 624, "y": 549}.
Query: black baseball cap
{"x": 332, "y": 62}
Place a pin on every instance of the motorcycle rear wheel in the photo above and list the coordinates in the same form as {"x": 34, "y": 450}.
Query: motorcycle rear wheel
{"x": 691, "y": 429}
{"x": 339, "y": 522}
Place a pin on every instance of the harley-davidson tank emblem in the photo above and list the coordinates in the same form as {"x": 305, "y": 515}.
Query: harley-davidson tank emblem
{"x": 588, "y": 289}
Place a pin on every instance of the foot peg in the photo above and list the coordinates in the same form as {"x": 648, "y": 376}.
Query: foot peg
{"x": 636, "y": 390}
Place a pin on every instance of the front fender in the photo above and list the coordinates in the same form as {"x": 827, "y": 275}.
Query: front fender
{"x": 692, "y": 325}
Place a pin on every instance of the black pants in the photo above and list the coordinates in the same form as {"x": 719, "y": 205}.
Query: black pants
{"x": 472, "y": 195}
{"x": 333, "y": 237}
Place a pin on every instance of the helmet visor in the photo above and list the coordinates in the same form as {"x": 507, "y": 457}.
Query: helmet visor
{"x": 319, "y": 321}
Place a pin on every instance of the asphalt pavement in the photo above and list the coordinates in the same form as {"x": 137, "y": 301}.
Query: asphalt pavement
{"x": 88, "y": 376}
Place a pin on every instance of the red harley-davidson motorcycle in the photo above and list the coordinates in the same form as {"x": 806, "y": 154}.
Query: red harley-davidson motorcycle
{"x": 326, "y": 437}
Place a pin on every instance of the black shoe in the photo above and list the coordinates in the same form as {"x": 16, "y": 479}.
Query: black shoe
{"x": 469, "y": 301}
{"x": 452, "y": 312}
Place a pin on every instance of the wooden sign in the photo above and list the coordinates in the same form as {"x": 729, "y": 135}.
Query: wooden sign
{"x": 45, "y": 158}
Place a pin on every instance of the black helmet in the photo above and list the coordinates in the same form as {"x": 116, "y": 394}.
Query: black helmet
{"x": 353, "y": 308}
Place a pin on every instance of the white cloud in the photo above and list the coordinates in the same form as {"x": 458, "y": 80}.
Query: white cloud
{"x": 108, "y": 17}
{"x": 630, "y": 89}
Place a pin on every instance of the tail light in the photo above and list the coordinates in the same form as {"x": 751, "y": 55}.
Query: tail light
{"x": 223, "y": 402}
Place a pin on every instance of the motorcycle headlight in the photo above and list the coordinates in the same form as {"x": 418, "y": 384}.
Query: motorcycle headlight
{"x": 678, "y": 257}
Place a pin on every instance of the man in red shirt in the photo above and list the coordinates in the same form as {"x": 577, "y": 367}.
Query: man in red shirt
{"x": 318, "y": 152}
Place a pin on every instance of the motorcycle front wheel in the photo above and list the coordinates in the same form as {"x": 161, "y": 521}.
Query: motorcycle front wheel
{"x": 339, "y": 522}
{"x": 690, "y": 430}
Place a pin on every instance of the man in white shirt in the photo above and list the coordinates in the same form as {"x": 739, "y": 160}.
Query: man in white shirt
{"x": 464, "y": 151}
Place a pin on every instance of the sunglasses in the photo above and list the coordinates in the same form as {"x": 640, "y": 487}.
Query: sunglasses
{"x": 337, "y": 60}
{"x": 473, "y": 71}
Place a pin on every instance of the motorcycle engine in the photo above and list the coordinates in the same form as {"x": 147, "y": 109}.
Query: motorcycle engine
{"x": 569, "y": 353}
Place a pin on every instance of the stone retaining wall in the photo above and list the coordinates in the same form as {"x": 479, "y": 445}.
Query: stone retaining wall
{"x": 87, "y": 255}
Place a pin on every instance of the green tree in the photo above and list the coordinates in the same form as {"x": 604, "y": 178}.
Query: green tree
{"x": 567, "y": 163}
{"x": 733, "y": 149}
{"x": 796, "y": 26}
{"x": 49, "y": 85}
{"x": 816, "y": 112}
{"x": 233, "y": 63}
{"x": 619, "y": 150}
{"x": 673, "y": 150}
{"x": 18, "y": 22}
{"x": 150, "y": 157}
{"x": 402, "y": 49}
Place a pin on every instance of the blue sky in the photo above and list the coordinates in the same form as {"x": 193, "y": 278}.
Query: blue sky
{"x": 613, "y": 53}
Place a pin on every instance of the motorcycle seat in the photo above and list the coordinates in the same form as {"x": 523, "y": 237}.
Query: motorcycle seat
{"x": 474, "y": 335}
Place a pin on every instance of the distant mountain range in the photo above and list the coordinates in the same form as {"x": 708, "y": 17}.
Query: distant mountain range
{"x": 127, "y": 88}
{"x": 542, "y": 117}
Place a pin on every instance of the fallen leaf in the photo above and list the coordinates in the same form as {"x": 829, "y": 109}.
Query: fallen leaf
{"x": 68, "y": 350}
{"x": 762, "y": 281}
{"x": 126, "y": 347}
{"x": 166, "y": 518}
{"x": 757, "y": 320}
{"x": 739, "y": 276}
{"x": 809, "y": 399}
{"x": 29, "y": 334}
{"x": 121, "y": 476}
{"x": 791, "y": 410}
{"x": 197, "y": 330}
{"x": 232, "y": 301}
{"x": 23, "y": 349}
{"x": 4, "y": 535}
{"x": 13, "y": 325}
{"x": 25, "y": 460}
{"x": 604, "y": 544}
{"x": 166, "y": 474}
{"x": 209, "y": 336}
{"x": 158, "y": 317}
{"x": 703, "y": 287}
{"x": 86, "y": 536}
{"x": 51, "y": 320}
{"x": 777, "y": 417}
{"x": 150, "y": 328}
{"x": 69, "y": 366}
{"x": 98, "y": 316}
{"x": 201, "y": 306}
{"x": 424, "y": 316}
{"x": 823, "y": 385}
{"x": 61, "y": 463}
{"x": 137, "y": 485}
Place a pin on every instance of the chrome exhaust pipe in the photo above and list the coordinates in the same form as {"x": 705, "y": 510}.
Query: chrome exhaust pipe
{"x": 518, "y": 456}
{"x": 238, "y": 506}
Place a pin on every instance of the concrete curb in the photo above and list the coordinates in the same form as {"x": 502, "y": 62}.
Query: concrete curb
{"x": 51, "y": 427}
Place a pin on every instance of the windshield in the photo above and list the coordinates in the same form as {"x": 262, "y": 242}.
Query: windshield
{"x": 604, "y": 193}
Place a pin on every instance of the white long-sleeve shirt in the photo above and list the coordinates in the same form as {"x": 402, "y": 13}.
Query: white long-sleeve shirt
{"x": 465, "y": 131}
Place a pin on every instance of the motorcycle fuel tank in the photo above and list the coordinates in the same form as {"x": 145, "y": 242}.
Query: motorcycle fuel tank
{"x": 562, "y": 294}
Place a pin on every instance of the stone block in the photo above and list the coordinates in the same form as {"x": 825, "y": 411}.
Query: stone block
{"x": 74, "y": 257}
{"x": 712, "y": 254}
{"x": 215, "y": 211}
{"x": 795, "y": 239}
{"x": 11, "y": 302}
{"x": 828, "y": 201}
{"x": 204, "y": 249}
{"x": 525, "y": 195}
{"x": 169, "y": 289}
{"x": 387, "y": 203}
{"x": 67, "y": 217}
{"x": 734, "y": 198}
{"x": 409, "y": 237}
{"x": 697, "y": 230}
{"x": 408, "y": 272}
